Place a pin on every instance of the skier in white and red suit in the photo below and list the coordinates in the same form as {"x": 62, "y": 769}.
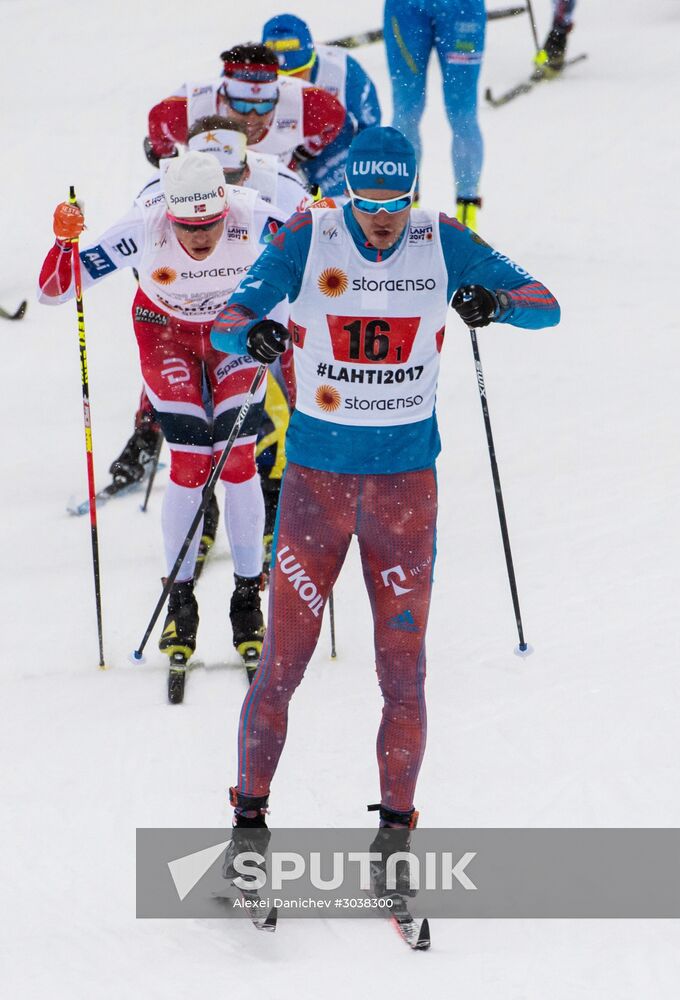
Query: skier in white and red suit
{"x": 284, "y": 116}
{"x": 190, "y": 243}
{"x": 276, "y": 185}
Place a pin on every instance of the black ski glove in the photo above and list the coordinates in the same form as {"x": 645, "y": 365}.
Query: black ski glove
{"x": 475, "y": 305}
{"x": 302, "y": 155}
{"x": 267, "y": 340}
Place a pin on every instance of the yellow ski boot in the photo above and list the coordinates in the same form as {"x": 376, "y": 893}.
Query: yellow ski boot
{"x": 466, "y": 211}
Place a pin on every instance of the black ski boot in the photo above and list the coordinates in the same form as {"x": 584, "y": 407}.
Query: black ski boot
{"x": 130, "y": 465}
{"x": 250, "y": 834}
{"x": 178, "y": 640}
{"x": 211, "y": 520}
{"x": 250, "y": 831}
{"x": 246, "y": 620}
{"x": 271, "y": 490}
{"x": 394, "y": 836}
{"x": 550, "y": 60}
{"x": 391, "y": 880}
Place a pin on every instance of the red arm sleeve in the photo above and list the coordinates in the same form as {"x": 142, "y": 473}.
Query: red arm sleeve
{"x": 322, "y": 118}
{"x": 56, "y": 272}
{"x": 168, "y": 125}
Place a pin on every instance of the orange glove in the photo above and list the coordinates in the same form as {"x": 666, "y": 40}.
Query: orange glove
{"x": 69, "y": 221}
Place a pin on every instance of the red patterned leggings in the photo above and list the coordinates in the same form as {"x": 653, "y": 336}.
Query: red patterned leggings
{"x": 393, "y": 517}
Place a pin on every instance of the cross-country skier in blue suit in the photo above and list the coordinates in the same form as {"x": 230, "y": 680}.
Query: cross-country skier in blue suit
{"x": 329, "y": 67}
{"x": 456, "y": 28}
{"x": 369, "y": 287}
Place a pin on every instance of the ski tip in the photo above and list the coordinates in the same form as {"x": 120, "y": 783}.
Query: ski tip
{"x": 77, "y": 509}
{"x": 523, "y": 649}
{"x": 136, "y": 656}
{"x": 270, "y": 921}
{"x": 423, "y": 942}
{"x": 21, "y": 311}
{"x": 488, "y": 96}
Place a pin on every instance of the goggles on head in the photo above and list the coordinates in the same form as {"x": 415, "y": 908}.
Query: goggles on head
{"x": 371, "y": 206}
{"x": 191, "y": 225}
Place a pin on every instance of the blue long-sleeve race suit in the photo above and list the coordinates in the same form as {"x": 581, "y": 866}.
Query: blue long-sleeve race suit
{"x": 373, "y": 480}
{"x": 456, "y": 28}
{"x": 278, "y": 273}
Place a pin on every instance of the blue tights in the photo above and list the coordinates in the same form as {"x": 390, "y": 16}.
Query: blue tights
{"x": 456, "y": 29}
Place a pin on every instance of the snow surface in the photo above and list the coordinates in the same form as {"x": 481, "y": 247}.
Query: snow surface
{"x": 580, "y": 186}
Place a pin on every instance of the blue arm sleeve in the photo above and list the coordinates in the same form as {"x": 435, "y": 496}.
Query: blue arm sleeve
{"x": 361, "y": 96}
{"x": 471, "y": 261}
{"x": 276, "y": 273}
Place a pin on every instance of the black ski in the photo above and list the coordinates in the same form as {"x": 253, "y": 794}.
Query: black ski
{"x": 20, "y": 312}
{"x": 203, "y": 551}
{"x": 415, "y": 934}
{"x": 538, "y": 76}
{"x": 177, "y": 678}
{"x": 355, "y": 41}
{"x": 116, "y": 488}
{"x": 250, "y": 657}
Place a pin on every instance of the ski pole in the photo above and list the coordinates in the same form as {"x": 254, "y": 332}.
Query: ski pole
{"x": 377, "y": 35}
{"x": 88, "y": 435}
{"x": 137, "y": 654}
{"x": 532, "y": 19}
{"x": 523, "y": 649}
{"x": 152, "y": 471}
{"x": 331, "y": 619}
{"x": 498, "y": 15}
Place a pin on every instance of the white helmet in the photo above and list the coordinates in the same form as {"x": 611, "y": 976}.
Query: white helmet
{"x": 194, "y": 189}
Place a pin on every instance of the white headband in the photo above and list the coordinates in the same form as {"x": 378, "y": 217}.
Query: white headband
{"x": 228, "y": 146}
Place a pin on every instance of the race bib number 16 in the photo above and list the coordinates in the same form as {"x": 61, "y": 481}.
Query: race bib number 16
{"x": 369, "y": 341}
